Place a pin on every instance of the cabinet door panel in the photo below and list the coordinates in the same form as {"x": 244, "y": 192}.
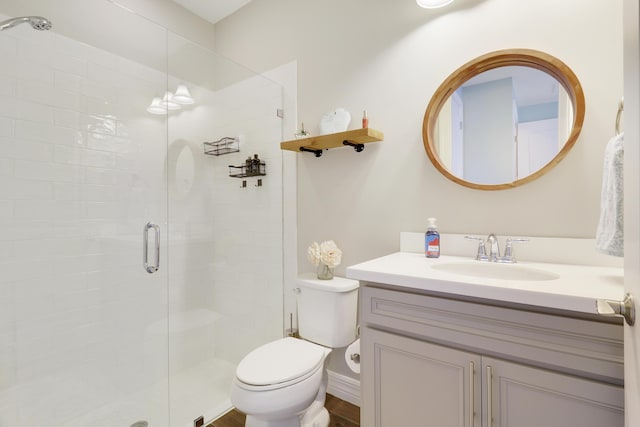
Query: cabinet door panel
{"x": 417, "y": 383}
{"x": 524, "y": 396}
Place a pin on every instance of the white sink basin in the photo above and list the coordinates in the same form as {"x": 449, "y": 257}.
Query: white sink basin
{"x": 492, "y": 270}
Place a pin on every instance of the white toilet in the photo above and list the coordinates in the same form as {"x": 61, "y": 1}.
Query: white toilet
{"x": 283, "y": 383}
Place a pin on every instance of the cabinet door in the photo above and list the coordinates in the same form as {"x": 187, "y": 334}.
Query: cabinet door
{"x": 406, "y": 382}
{"x": 523, "y": 396}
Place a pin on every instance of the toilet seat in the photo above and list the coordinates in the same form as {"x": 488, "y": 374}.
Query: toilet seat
{"x": 279, "y": 364}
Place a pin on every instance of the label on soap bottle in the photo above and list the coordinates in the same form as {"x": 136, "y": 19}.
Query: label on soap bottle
{"x": 432, "y": 244}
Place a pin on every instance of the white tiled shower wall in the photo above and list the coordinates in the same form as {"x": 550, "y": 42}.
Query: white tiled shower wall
{"x": 225, "y": 246}
{"x": 222, "y": 230}
{"x": 83, "y": 167}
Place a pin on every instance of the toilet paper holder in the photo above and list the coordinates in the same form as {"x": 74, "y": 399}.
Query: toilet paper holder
{"x": 352, "y": 356}
{"x": 356, "y": 356}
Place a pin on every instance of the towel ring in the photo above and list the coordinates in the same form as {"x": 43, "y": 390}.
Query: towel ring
{"x": 619, "y": 115}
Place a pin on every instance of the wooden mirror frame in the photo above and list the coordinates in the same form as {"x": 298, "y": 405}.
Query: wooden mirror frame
{"x": 502, "y": 58}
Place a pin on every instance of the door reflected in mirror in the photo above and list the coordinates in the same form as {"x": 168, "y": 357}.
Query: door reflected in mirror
{"x": 503, "y": 119}
{"x": 503, "y": 125}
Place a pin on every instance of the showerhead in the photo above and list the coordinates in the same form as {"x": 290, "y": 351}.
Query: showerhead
{"x": 37, "y": 23}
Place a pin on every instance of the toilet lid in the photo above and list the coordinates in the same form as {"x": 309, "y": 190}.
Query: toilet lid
{"x": 280, "y": 361}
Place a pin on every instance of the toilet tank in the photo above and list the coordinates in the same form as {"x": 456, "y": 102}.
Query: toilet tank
{"x": 327, "y": 310}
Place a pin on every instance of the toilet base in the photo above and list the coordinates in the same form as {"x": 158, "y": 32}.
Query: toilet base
{"x": 255, "y": 422}
{"x": 321, "y": 419}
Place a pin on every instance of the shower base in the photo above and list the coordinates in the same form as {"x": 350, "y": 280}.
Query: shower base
{"x": 205, "y": 385}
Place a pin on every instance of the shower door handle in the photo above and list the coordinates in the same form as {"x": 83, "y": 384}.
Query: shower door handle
{"x": 151, "y": 268}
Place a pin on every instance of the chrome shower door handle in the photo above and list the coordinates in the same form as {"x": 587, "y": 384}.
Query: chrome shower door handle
{"x": 151, "y": 268}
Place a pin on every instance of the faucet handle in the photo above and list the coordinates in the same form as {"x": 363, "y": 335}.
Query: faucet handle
{"x": 508, "y": 250}
{"x": 482, "y": 252}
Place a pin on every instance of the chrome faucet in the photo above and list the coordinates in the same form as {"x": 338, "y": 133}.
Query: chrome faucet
{"x": 494, "y": 249}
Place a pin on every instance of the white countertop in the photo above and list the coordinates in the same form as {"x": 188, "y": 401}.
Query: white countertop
{"x": 576, "y": 289}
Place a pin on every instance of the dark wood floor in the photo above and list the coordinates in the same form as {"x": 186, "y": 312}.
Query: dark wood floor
{"x": 343, "y": 414}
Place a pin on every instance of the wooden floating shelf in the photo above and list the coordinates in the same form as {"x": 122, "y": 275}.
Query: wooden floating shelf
{"x": 334, "y": 140}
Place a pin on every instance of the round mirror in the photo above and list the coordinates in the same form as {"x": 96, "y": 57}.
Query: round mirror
{"x": 503, "y": 119}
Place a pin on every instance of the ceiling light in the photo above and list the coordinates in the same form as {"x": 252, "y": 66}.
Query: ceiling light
{"x": 156, "y": 106}
{"x": 182, "y": 96}
{"x": 433, "y": 4}
{"x": 168, "y": 102}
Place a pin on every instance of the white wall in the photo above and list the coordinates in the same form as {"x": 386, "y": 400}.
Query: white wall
{"x": 173, "y": 17}
{"x": 388, "y": 57}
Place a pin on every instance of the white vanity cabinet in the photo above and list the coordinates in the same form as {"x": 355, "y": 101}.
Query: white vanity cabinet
{"x": 438, "y": 361}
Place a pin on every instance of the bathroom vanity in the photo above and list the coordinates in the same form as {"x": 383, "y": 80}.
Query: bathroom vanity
{"x": 470, "y": 346}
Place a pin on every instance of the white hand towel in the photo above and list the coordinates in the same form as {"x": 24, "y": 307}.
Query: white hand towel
{"x": 610, "y": 233}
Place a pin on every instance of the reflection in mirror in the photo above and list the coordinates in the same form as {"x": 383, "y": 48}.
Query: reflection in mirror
{"x": 504, "y": 119}
{"x": 515, "y": 119}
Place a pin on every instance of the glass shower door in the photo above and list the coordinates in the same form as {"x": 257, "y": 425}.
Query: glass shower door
{"x": 225, "y": 232}
{"x": 83, "y": 325}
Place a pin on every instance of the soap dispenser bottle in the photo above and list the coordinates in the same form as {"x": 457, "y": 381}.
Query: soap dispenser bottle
{"x": 432, "y": 240}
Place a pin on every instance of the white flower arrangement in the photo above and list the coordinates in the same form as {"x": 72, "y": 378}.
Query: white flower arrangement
{"x": 326, "y": 253}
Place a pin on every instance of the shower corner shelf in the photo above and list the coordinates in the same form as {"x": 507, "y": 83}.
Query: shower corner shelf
{"x": 255, "y": 168}
{"x": 222, "y": 146}
{"x": 355, "y": 138}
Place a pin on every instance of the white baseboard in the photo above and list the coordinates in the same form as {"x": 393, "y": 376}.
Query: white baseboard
{"x": 344, "y": 387}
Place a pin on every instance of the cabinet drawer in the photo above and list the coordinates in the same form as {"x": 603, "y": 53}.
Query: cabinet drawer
{"x": 577, "y": 346}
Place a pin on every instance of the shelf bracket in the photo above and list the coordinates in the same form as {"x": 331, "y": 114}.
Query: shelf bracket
{"x": 357, "y": 147}
{"x": 317, "y": 153}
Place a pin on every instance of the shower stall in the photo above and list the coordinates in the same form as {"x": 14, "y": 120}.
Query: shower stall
{"x": 135, "y": 272}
